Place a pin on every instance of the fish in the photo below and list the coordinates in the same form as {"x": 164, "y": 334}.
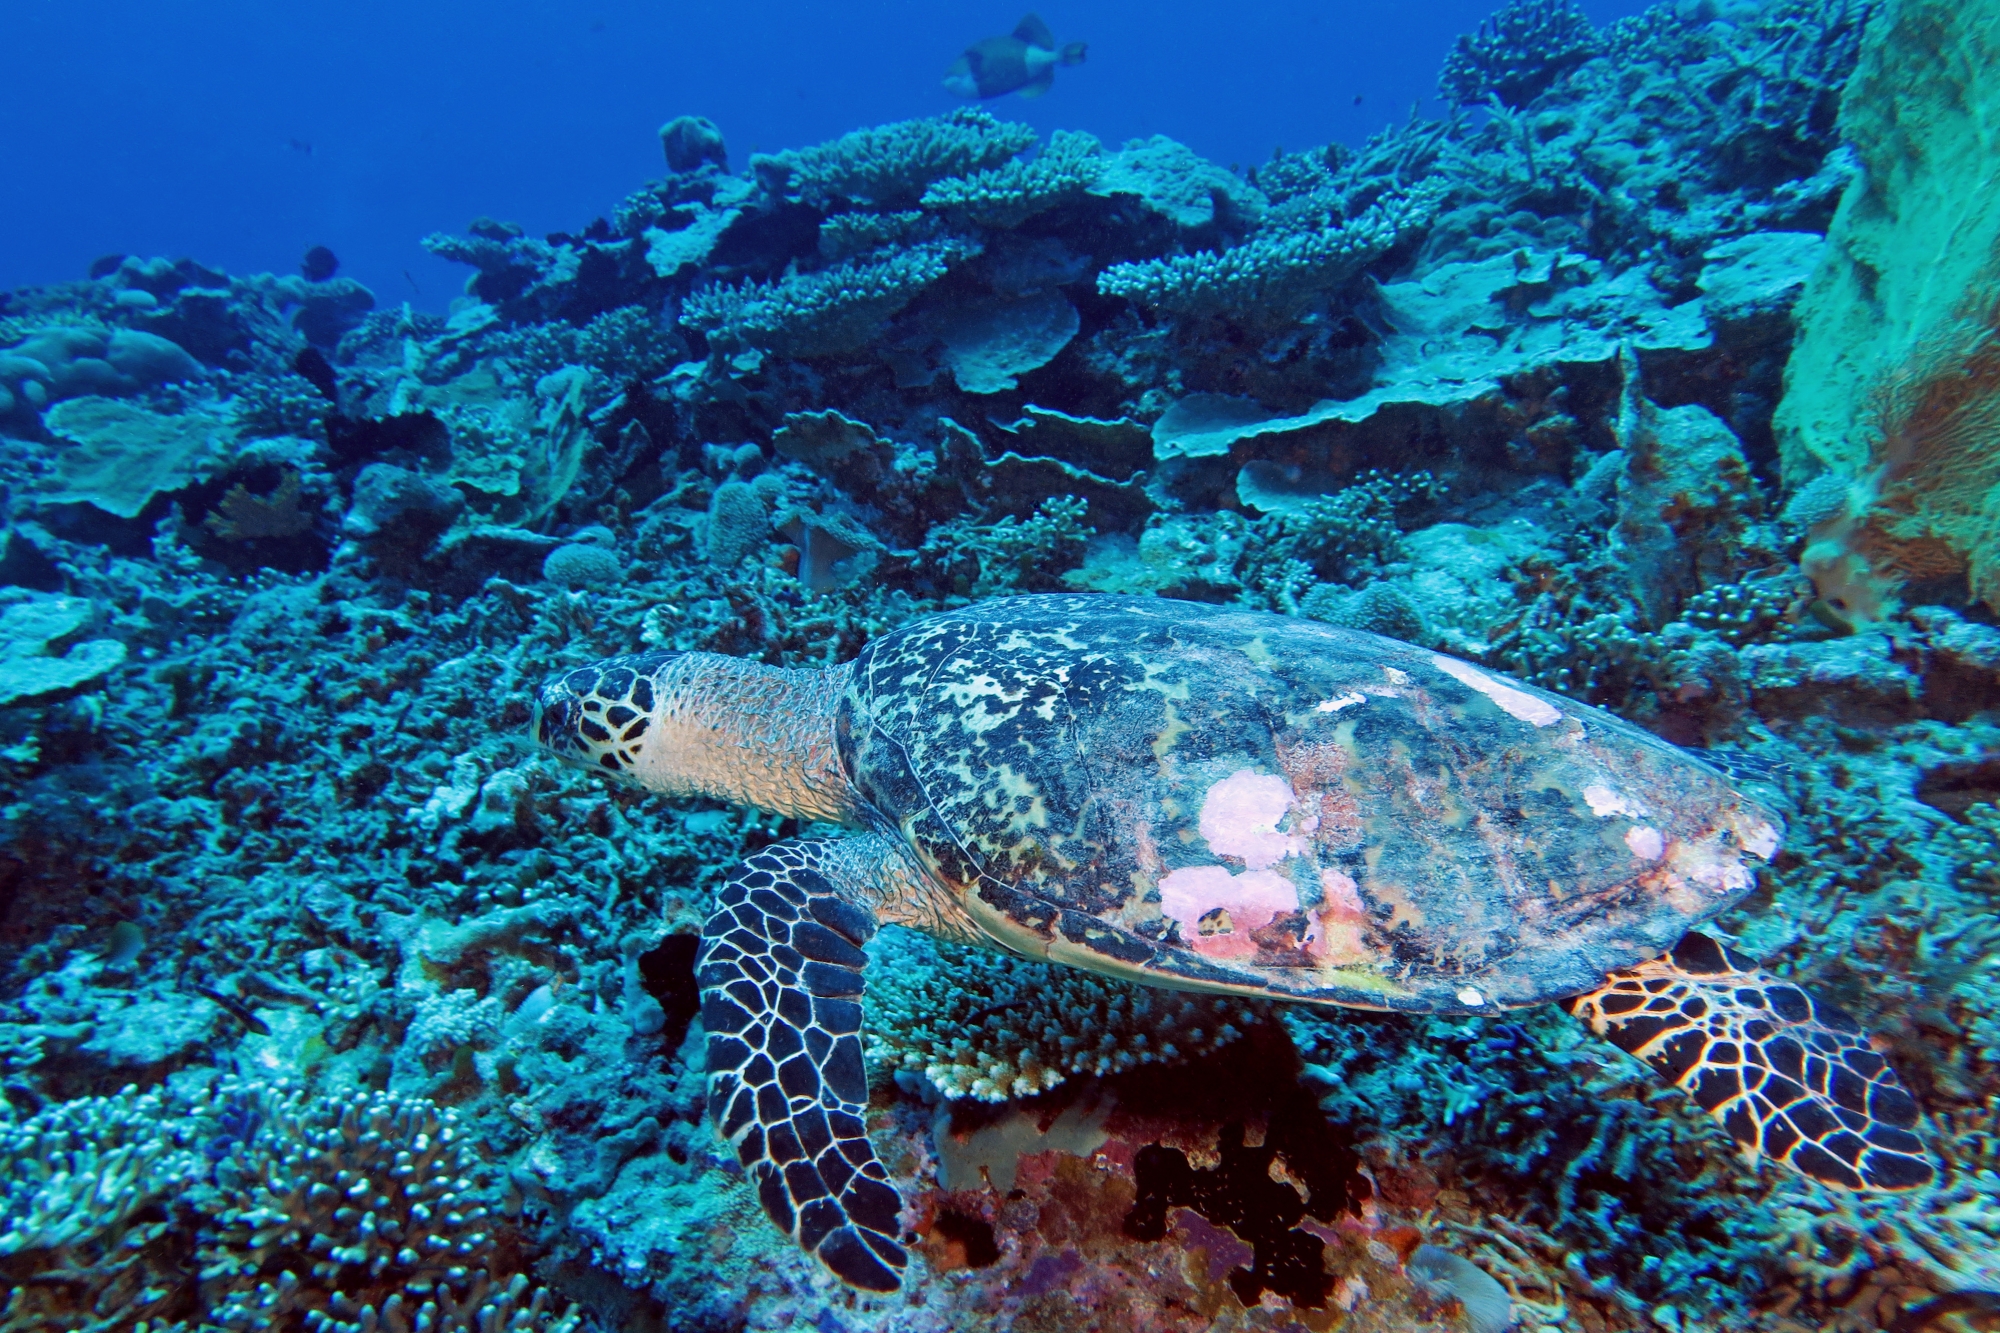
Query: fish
{"x": 1024, "y": 62}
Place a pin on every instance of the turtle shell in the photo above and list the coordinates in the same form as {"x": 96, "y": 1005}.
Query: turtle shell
{"x": 1217, "y": 799}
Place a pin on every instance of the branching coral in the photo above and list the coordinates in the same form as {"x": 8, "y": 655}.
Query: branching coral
{"x": 1009, "y": 195}
{"x": 1518, "y": 53}
{"x": 890, "y": 165}
{"x": 357, "y": 1213}
{"x": 991, "y": 1026}
{"x": 1547, "y": 1131}
{"x": 80, "y": 1225}
{"x": 834, "y": 310}
{"x": 1012, "y": 556}
{"x": 279, "y": 405}
{"x": 1276, "y": 273}
{"x": 1341, "y": 537}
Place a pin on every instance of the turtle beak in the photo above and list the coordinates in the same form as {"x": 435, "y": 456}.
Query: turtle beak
{"x": 554, "y": 722}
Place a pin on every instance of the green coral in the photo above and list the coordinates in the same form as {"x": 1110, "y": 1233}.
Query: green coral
{"x": 332, "y": 1213}
{"x": 1012, "y": 555}
{"x": 356, "y": 1212}
{"x": 81, "y": 1228}
{"x": 992, "y": 1026}
{"x": 1342, "y": 538}
{"x": 891, "y": 165}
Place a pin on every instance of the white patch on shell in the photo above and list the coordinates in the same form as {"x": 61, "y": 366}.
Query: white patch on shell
{"x": 1471, "y": 997}
{"x": 1514, "y": 702}
{"x": 1251, "y": 900}
{"x": 1646, "y": 843}
{"x": 1395, "y": 676}
{"x": 1240, "y": 815}
{"x": 1712, "y": 868}
{"x": 1605, "y": 802}
{"x": 1761, "y": 841}
{"x": 1348, "y": 700}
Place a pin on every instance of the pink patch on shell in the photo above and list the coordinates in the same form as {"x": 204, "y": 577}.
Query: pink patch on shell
{"x": 1240, "y": 815}
{"x": 1646, "y": 843}
{"x": 1251, "y": 901}
{"x": 1339, "y": 921}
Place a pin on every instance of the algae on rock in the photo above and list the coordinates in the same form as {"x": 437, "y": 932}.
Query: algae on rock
{"x": 1893, "y": 392}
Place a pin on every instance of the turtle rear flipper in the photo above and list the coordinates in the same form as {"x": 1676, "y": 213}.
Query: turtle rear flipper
{"x": 1788, "y": 1075}
{"x": 780, "y": 974}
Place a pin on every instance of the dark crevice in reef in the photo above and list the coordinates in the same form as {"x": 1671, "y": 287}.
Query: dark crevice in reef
{"x": 1239, "y": 1193}
{"x": 973, "y": 1235}
{"x": 667, "y": 973}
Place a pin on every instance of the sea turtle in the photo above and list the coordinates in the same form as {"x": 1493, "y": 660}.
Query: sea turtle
{"x": 1212, "y": 799}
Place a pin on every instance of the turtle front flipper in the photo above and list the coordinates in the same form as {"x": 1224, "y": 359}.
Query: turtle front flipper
{"x": 780, "y": 974}
{"x": 1787, "y": 1074}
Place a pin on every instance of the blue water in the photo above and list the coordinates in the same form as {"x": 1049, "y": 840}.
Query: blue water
{"x": 239, "y": 134}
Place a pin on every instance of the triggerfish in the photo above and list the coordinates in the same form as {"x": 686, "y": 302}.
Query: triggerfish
{"x": 1024, "y": 62}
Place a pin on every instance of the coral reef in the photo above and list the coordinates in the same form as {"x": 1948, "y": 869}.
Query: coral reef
{"x": 324, "y": 1003}
{"x": 979, "y": 1024}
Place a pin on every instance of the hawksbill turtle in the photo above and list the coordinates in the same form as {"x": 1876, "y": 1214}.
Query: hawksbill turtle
{"x": 1220, "y": 800}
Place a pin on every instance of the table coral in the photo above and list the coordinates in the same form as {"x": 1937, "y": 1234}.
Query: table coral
{"x": 892, "y": 164}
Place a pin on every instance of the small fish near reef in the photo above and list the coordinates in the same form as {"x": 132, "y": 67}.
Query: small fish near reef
{"x": 1210, "y": 799}
{"x": 1023, "y": 62}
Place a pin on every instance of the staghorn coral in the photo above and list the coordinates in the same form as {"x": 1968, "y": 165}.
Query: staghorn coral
{"x": 991, "y": 1026}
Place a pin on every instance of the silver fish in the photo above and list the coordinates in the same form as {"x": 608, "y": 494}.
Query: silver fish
{"x": 1024, "y": 62}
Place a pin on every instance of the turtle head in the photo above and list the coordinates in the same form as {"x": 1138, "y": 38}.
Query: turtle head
{"x": 597, "y": 716}
{"x": 699, "y": 724}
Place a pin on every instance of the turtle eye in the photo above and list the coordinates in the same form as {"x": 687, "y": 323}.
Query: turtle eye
{"x": 555, "y": 719}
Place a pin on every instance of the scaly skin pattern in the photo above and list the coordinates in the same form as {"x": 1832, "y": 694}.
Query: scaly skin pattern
{"x": 1225, "y": 800}
{"x": 688, "y": 724}
{"x": 1790, "y": 1076}
{"x": 780, "y": 972}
